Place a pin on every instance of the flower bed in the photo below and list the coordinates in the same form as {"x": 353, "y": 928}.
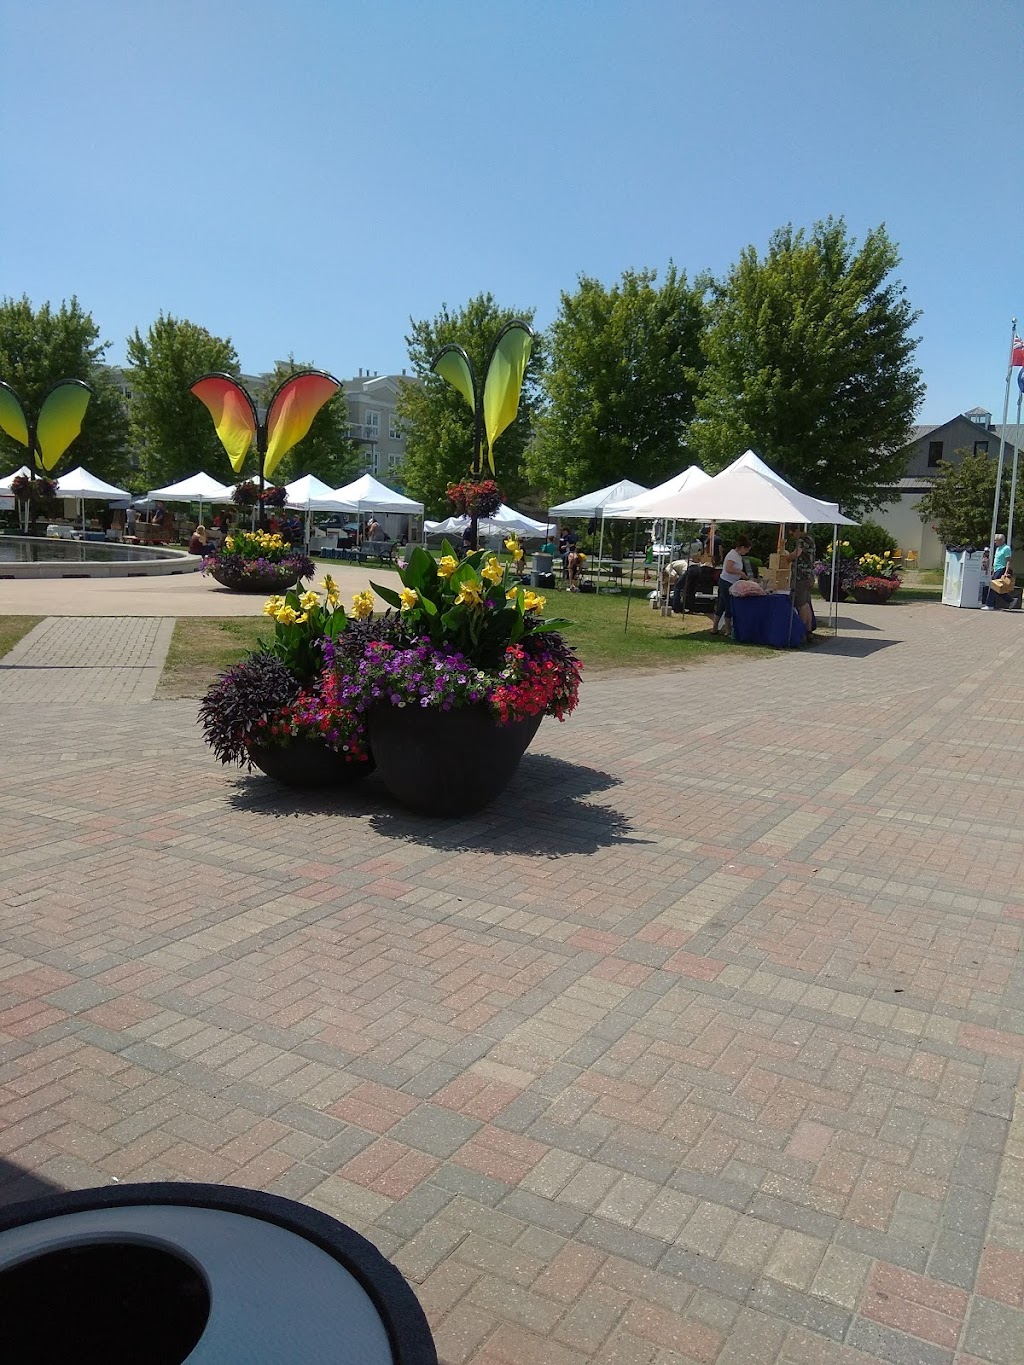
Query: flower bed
{"x": 459, "y": 639}
{"x": 258, "y": 561}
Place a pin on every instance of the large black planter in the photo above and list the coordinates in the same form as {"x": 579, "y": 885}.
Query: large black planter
{"x": 871, "y": 597}
{"x": 267, "y": 583}
{"x": 305, "y": 763}
{"x": 205, "y": 1274}
{"x": 825, "y": 588}
{"x": 446, "y": 762}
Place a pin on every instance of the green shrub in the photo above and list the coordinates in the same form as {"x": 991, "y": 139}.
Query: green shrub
{"x": 867, "y": 539}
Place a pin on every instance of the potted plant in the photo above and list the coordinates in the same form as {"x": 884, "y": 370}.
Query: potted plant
{"x": 877, "y": 579}
{"x": 847, "y": 571}
{"x": 246, "y": 493}
{"x": 281, "y": 709}
{"x": 450, "y": 716}
{"x": 258, "y": 561}
{"x": 444, "y": 693}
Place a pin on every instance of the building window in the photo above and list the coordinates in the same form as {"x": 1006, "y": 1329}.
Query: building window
{"x": 395, "y": 429}
{"x": 981, "y": 447}
{"x": 373, "y": 425}
{"x": 934, "y": 454}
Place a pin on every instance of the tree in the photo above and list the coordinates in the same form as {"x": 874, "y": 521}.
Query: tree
{"x": 171, "y": 429}
{"x": 959, "y": 505}
{"x": 809, "y": 360}
{"x": 620, "y": 383}
{"x": 439, "y": 424}
{"x": 40, "y": 347}
{"x": 326, "y": 451}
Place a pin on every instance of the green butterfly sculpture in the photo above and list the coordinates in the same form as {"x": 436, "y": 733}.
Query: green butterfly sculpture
{"x": 58, "y": 423}
{"x": 496, "y": 407}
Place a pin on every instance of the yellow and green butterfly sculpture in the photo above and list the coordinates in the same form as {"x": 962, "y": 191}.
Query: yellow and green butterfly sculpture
{"x": 496, "y": 408}
{"x": 59, "y": 421}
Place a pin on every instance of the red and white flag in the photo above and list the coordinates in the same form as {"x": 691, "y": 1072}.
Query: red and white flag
{"x": 1017, "y": 353}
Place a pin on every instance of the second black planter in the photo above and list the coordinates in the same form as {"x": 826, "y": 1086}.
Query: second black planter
{"x": 446, "y": 762}
{"x": 307, "y": 764}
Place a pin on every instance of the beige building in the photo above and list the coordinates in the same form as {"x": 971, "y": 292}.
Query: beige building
{"x": 372, "y": 401}
{"x": 931, "y": 447}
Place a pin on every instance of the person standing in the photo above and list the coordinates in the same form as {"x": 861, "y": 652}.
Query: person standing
{"x": 801, "y": 558}
{"x": 732, "y": 571}
{"x": 995, "y": 601}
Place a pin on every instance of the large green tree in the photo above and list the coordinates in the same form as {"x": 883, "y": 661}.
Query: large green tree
{"x": 620, "y": 383}
{"x": 172, "y": 431}
{"x": 326, "y": 450}
{"x": 809, "y": 360}
{"x": 39, "y": 347}
{"x": 959, "y": 504}
{"x": 438, "y": 422}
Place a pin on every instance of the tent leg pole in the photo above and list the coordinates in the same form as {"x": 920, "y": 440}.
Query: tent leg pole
{"x": 632, "y": 570}
{"x": 600, "y": 555}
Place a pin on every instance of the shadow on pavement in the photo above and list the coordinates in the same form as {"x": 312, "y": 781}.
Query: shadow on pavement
{"x": 18, "y": 1184}
{"x": 541, "y": 814}
{"x": 850, "y": 645}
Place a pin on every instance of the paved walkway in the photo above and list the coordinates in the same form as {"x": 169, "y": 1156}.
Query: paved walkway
{"x": 68, "y": 661}
{"x": 187, "y": 594}
{"x": 704, "y": 1046}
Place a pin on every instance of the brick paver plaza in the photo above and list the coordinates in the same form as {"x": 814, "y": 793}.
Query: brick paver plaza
{"x": 703, "y": 1046}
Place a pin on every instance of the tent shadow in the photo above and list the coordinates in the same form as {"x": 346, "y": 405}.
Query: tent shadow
{"x": 850, "y": 645}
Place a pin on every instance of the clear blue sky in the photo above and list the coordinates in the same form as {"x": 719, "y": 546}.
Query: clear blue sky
{"x": 305, "y": 176}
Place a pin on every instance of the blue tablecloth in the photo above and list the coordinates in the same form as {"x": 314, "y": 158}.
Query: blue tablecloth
{"x": 769, "y": 620}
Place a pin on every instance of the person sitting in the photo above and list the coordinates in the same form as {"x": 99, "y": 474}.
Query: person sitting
{"x": 199, "y": 542}
{"x": 733, "y": 571}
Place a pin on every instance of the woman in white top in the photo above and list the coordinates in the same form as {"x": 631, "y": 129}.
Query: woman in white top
{"x": 732, "y": 572}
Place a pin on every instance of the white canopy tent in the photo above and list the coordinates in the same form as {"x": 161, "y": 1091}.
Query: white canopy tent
{"x": 310, "y": 494}
{"x": 8, "y": 479}
{"x": 505, "y": 520}
{"x": 636, "y": 506}
{"x": 748, "y": 490}
{"x": 198, "y": 488}
{"x": 79, "y": 483}
{"x": 368, "y": 494}
{"x": 635, "y": 509}
{"x": 591, "y": 504}
{"x": 744, "y": 493}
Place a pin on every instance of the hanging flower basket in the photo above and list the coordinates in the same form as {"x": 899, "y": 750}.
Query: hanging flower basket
{"x": 469, "y": 499}
{"x": 246, "y": 494}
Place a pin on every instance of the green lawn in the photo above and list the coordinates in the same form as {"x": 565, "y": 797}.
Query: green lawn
{"x": 13, "y": 628}
{"x": 202, "y": 646}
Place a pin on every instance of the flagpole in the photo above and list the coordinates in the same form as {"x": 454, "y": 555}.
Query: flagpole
{"x": 1002, "y": 450}
{"x": 1016, "y": 454}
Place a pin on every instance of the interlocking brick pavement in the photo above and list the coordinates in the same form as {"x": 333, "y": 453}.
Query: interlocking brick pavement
{"x": 703, "y": 1045}
{"x": 71, "y": 660}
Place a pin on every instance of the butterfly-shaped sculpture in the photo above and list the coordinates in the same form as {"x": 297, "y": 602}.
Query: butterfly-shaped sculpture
{"x": 58, "y": 423}
{"x": 496, "y": 408}
{"x": 289, "y": 416}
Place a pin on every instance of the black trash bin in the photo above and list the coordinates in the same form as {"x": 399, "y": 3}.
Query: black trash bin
{"x": 205, "y": 1274}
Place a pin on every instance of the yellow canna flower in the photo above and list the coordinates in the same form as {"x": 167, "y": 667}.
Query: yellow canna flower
{"x": 309, "y": 600}
{"x": 512, "y": 594}
{"x": 469, "y": 596}
{"x": 492, "y": 571}
{"x": 287, "y": 616}
{"x": 333, "y": 593}
{"x": 532, "y": 601}
{"x": 272, "y": 606}
{"x": 362, "y": 605}
{"x": 410, "y": 598}
{"x": 302, "y": 616}
{"x": 447, "y": 565}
